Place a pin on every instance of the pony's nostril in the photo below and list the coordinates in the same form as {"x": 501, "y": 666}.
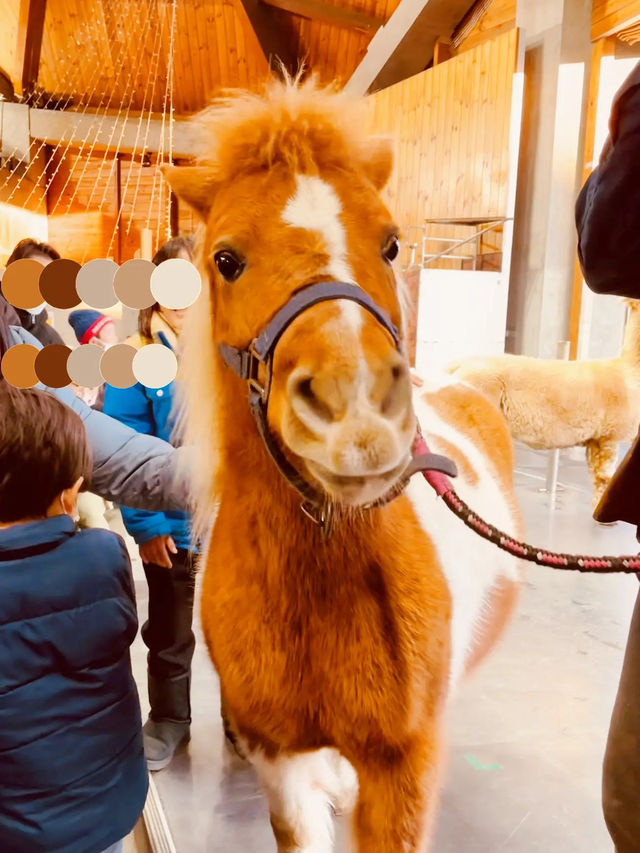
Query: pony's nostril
{"x": 397, "y": 395}
{"x": 303, "y": 390}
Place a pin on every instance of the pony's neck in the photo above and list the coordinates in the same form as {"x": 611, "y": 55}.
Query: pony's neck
{"x": 631, "y": 341}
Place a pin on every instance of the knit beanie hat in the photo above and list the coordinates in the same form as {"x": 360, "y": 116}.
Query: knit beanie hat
{"x": 87, "y": 324}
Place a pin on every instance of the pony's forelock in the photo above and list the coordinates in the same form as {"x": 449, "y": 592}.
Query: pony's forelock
{"x": 293, "y": 122}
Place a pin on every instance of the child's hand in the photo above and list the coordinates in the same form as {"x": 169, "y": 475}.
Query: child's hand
{"x": 158, "y": 551}
{"x": 415, "y": 379}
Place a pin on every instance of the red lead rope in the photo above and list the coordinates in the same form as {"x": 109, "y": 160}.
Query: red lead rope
{"x": 441, "y": 484}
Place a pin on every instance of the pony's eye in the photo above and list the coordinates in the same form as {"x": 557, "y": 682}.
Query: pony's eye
{"x": 229, "y": 265}
{"x": 391, "y": 249}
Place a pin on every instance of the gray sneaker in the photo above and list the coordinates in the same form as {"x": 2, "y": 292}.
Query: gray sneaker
{"x": 161, "y": 738}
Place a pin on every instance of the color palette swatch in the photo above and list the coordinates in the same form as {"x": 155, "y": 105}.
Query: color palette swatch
{"x": 99, "y": 284}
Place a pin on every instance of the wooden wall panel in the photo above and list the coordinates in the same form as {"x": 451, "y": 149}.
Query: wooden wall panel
{"x": 9, "y": 10}
{"x": 451, "y": 129}
{"x": 612, "y": 15}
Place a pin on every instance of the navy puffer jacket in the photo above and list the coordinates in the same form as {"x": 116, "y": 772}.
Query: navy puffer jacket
{"x": 72, "y": 772}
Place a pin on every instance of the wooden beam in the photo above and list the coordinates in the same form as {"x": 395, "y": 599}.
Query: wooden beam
{"x": 339, "y": 16}
{"x": 405, "y": 45}
{"x": 54, "y": 126}
{"x": 603, "y": 47}
{"x": 275, "y": 33}
{"x": 469, "y": 21}
{"x": 29, "y": 43}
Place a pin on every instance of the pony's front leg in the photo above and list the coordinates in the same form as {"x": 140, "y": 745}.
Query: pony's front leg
{"x": 301, "y": 789}
{"x": 397, "y": 802}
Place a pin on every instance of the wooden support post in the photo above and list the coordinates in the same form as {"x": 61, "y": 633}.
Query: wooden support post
{"x": 603, "y": 47}
{"x": 442, "y": 51}
{"x": 174, "y": 215}
{"x": 29, "y": 43}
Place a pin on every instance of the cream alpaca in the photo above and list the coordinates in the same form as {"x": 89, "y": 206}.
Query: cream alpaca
{"x": 552, "y": 404}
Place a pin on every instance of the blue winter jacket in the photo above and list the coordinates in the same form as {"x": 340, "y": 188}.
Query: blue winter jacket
{"x": 73, "y": 777}
{"x": 149, "y": 411}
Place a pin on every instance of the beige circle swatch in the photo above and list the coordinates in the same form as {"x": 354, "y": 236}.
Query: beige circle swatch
{"x": 95, "y": 281}
{"x": 83, "y": 366}
{"x": 176, "y": 283}
{"x": 132, "y": 283}
{"x": 155, "y": 366}
{"x": 18, "y": 365}
{"x": 116, "y": 366}
{"x": 21, "y": 284}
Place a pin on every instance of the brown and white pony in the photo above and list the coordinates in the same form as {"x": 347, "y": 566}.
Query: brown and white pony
{"x": 335, "y": 654}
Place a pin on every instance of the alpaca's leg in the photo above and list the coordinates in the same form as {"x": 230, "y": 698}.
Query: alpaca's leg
{"x": 302, "y": 788}
{"x": 602, "y": 457}
{"x": 396, "y": 803}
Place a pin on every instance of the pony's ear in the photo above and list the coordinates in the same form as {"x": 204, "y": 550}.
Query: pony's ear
{"x": 196, "y": 185}
{"x": 377, "y": 159}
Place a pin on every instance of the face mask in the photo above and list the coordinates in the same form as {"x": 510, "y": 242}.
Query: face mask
{"x": 38, "y": 309}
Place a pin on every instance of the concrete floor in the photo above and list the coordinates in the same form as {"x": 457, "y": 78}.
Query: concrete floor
{"x": 526, "y": 733}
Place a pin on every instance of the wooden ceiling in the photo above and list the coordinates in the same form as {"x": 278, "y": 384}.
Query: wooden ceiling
{"x": 113, "y": 53}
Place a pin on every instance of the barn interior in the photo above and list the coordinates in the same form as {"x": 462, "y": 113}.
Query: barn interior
{"x": 499, "y": 110}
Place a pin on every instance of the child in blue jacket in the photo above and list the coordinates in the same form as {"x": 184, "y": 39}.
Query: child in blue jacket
{"x": 72, "y": 771}
{"x": 165, "y": 545}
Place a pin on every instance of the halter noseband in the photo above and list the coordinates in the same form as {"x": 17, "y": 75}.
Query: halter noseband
{"x": 245, "y": 363}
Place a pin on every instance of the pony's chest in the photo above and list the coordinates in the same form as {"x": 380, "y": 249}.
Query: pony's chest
{"x": 321, "y": 631}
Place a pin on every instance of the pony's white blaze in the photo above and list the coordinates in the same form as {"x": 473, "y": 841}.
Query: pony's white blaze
{"x": 303, "y": 789}
{"x": 315, "y": 206}
{"x": 471, "y": 565}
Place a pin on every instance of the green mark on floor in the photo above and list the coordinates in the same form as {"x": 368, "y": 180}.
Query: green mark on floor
{"x": 478, "y": 765}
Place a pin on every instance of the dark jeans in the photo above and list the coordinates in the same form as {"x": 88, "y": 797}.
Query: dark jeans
{"x": 621, "y": 777}
{"x": 167, "y": 632}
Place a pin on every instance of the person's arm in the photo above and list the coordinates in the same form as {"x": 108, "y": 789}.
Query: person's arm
{"x": 608, "y": 208}
{"x": 128, "y": 468}
{"x": 131, "y": 407}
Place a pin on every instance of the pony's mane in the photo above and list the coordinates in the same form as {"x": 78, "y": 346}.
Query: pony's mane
{"x": 293, "y": 123}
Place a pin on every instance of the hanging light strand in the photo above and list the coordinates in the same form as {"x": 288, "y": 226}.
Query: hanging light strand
{"x": 135, "y": 147}
{"x": 96, "y": 136}
{"x": 171, "y": 119}
{"x": 160, "y": 158}
{"x": 154, "y": 75}
{"x": 89, "y": 97}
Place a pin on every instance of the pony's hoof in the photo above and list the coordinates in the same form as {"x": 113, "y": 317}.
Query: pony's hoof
{"x": 606, "y": 523}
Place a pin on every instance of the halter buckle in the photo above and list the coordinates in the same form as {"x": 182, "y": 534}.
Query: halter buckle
{"x": 254, "y": 361}
{"x": 320, "y": 515}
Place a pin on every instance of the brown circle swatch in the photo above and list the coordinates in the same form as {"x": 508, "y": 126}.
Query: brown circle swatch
{"x": 21, "y": 284}
{"x": 18, "y": 366}
{"x": 58, "y": 283}
{"x": 116, "y": 366}
{"x": 132, "y": 283}
{"x": 51, "y": 366}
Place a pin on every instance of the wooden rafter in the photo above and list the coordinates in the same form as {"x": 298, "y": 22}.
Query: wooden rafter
{"x": 469, "y": 21}
{"x": 275, "y": 34}
{"x": 405, "y": 45}
{"x": 339, "y": 16}
{"x": 29, "y": 45}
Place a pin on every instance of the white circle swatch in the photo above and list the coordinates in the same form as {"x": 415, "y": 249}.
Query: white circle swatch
{"x": 176, "y": 283}
{"x": 155, "y": 366}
